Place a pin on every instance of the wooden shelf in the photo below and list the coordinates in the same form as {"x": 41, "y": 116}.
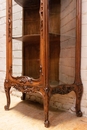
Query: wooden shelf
{"x": 28, "y": 38}
{"x": 28, "y": 3}
{"x": 35, "y": 38}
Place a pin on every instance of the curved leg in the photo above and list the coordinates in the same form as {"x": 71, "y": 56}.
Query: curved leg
{"x": 23, "y": 96}
{"x": 46, "y": 109}
{"x": 78, "y": 91}
{"x": 7, "y": 92}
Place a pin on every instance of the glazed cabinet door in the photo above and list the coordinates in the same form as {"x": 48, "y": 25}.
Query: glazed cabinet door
{"x": 27, "y": 43}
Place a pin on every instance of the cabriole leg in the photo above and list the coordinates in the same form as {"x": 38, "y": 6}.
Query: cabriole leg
{"x": 7, "y": 92}
{"x": 78, "y": 91}
{"x": 46, "y": 110}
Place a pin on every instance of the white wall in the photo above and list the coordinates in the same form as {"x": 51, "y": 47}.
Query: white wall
{"x": 57, "y": 101}
{"x": 84, "y": 57}
{"x": 17, "y": 45}
{"x": 2, "y": 41}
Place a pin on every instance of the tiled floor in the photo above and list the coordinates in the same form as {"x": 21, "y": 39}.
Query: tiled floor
{"x": 26, "y": 115}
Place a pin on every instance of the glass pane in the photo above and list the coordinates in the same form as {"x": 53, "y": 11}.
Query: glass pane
{"x": 16, "y": 44}
{"x": 62, "y": 35}
{"x": 26, "y": 40}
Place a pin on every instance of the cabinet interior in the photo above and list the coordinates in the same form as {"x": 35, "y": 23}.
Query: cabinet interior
{"x": 58, "y": 39}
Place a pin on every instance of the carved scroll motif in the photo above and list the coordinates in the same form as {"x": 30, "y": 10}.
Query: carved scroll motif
{"x": 41, "y": 18}
{"x": 63, "y": 89}
{"x": 25, "y": 89}
{"x": 25, "y": 79}
{"x": 9, "y": 23}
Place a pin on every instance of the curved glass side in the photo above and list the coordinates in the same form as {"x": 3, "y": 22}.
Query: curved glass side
{"x": 62, "y": 25}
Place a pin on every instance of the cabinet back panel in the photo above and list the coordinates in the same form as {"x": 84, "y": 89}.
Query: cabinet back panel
{"x": 31, "y": 60}
{"x": 31, "y": 22}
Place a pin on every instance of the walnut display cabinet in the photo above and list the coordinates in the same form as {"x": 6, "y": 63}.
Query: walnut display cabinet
{"x": 41, "y": 42}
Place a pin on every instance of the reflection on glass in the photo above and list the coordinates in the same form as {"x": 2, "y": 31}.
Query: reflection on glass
{"x": 62, "y": 26}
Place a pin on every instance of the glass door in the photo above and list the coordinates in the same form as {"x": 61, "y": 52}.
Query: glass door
{"x": 26, "y": 39}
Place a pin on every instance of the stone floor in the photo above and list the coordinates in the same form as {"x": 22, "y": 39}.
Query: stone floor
{"x": 26, "y": 115}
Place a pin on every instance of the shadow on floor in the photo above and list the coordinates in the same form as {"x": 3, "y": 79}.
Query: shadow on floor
{"x": 35, "y": 110}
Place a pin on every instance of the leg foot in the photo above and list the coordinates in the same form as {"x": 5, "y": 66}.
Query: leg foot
{"x": 78, "y": 91}
{"x": 23, "y": 96}
{"x": 6, "y": 108}
{"x": 79, "y": 114}
{"x": 46, "y": 123}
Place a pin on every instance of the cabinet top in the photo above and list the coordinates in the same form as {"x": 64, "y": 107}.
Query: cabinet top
{"x": 28, "y": 3}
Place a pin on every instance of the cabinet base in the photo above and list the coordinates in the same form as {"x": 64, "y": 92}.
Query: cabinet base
{"x": 46, "y": 93}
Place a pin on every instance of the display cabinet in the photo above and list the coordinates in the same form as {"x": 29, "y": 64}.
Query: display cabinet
{"x": 43, "y": 33}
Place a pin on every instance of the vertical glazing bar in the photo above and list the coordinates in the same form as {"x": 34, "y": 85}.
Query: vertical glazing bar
{"x": 42, "y": 46}
{"x": 44, "y": 42}
{"x": 47, "y": 41}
